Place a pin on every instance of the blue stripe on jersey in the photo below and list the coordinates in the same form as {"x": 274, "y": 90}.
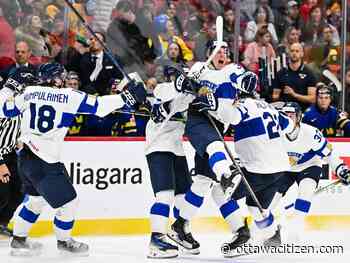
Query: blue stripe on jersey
{"x": 283, "y": 121}
{"x": 67, "y": 119}
{"x": 160, "y": 209}
{"x": 249, "y": 128}
{"x": 226, "y": 91}
{"x": 194, "y": 199}
{"x": 63, "y": 225}
{"x": 228, "y": 208}
{"x": 87, "y": 108}
{"x": 302, "y": 205}
{"x": 28, "y": 215}
{"x": 309, "y": 155}
{"x": 216, "y": 157}
{"x": 10, "y": 113}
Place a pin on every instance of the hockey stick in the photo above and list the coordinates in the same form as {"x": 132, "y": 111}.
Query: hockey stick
{"x": 250, "y": 190}
{"x": 329, "y": 75}
{"x": 105, "y": 48}
{"x": 147, "y": 115}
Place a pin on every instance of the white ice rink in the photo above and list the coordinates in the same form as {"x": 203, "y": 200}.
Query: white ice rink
{"x": 133, "y": 249}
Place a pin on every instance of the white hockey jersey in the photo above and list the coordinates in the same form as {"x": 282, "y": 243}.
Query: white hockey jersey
{"x": 48, "y": 112}
{"x": 258, "y": 134}
{"x": 167, "y": 136}
{"x": 309, "y": 148}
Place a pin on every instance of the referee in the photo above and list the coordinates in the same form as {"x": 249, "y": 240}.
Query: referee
{"x": 10, "y": 183}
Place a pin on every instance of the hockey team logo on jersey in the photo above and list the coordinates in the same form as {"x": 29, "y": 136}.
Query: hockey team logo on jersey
{"x": 294, "y": 158}
{"x": 302, "y": 76}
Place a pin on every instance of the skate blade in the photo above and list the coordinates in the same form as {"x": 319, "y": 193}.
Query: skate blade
{"x": 157, "y": 253}
{"x": 73, "y": 254}
{"x": 183, "y": 248}
{"x": 186, "y": 251}
{"x": 23, "y": 252}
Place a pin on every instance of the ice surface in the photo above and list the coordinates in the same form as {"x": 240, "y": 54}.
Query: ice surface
{"x": 133, "y": 249}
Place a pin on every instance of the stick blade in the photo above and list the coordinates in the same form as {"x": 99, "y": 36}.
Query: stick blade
{"x": 219, "y": 29}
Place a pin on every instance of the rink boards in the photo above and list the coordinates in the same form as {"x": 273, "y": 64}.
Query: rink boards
{"x": 112, "y": 181}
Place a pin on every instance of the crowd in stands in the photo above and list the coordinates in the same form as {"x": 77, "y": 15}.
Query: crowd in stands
{"x": 148, "y": 36}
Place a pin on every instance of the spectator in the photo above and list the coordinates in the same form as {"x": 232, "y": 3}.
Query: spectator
{"x": 126, "y": 40}
{"x": 165, "y": 28}
{"x": 305, "y": 9}
{"x": 296, "y": 82}
{"x": 324, "y": 116}
{"x": 96, "y": 69}
{"x": 31, "y": 32}
{"x": 265, "y": 4}
{"x": 260, "y": 48}
{"x": 229, "y": 27}
{"x": 173, "y": 56}
{"x": 289, "y": 17}
{"x": 312, "y": 31}
{"x": 22, "y": 56}
{"x": 291, "y": 36}
{"x": 261, "y": 18}
{"x": 205, "y": 36}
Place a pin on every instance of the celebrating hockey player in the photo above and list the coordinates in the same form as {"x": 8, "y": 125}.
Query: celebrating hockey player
{"x": 306, "y": 146}
{"x": 47, "y": 112}
{"x": 167, "y": 164}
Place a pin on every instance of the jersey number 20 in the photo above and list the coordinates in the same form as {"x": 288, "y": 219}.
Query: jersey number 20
{"x": 45, "y": 117}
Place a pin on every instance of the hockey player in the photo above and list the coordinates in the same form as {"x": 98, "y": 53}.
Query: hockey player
{"x": 306, "y": 146}
{"x": 324, "y": 116}
{"x": 203, "y": 180}
{"x": 47, "y": 112}
{"x": 167, "y": 164}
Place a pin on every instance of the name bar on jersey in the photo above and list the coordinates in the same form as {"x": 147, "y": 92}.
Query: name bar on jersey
{"x": 47, "y": 96}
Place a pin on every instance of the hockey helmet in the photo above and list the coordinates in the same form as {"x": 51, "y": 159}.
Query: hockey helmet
{"x": 51, "y": 74}
{"x": 294, "y": 108}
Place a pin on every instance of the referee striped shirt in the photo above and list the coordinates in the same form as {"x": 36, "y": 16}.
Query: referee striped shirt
{"x": 9, "y": 133}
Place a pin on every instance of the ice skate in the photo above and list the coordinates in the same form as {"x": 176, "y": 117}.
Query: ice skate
{"x": 241, "y": 237}
{"x": 182, "y": 236}
{"x": 73, "y": 247}
{"x": 21, "y": 246}
{"x": 160, "y": 247}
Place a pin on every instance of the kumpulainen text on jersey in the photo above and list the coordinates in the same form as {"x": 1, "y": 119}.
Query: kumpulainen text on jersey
{"x": 102, "y": 178}
{"x": 47, "y": 96}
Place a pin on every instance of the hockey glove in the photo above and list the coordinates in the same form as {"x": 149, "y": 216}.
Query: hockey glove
{"x": 160, "y": 111}
{"x": 229, "y": 182}
{"x": 343, "y": 173}
{"x": 135, "y": 93}
{"x": 19, "y": 78}
{"x": 185, "y": 84}
{"x": 207, "y": 102}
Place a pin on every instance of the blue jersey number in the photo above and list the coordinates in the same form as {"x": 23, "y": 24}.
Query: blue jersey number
{"x": 272, "y": 125}
{"x": 46, "y": 117}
